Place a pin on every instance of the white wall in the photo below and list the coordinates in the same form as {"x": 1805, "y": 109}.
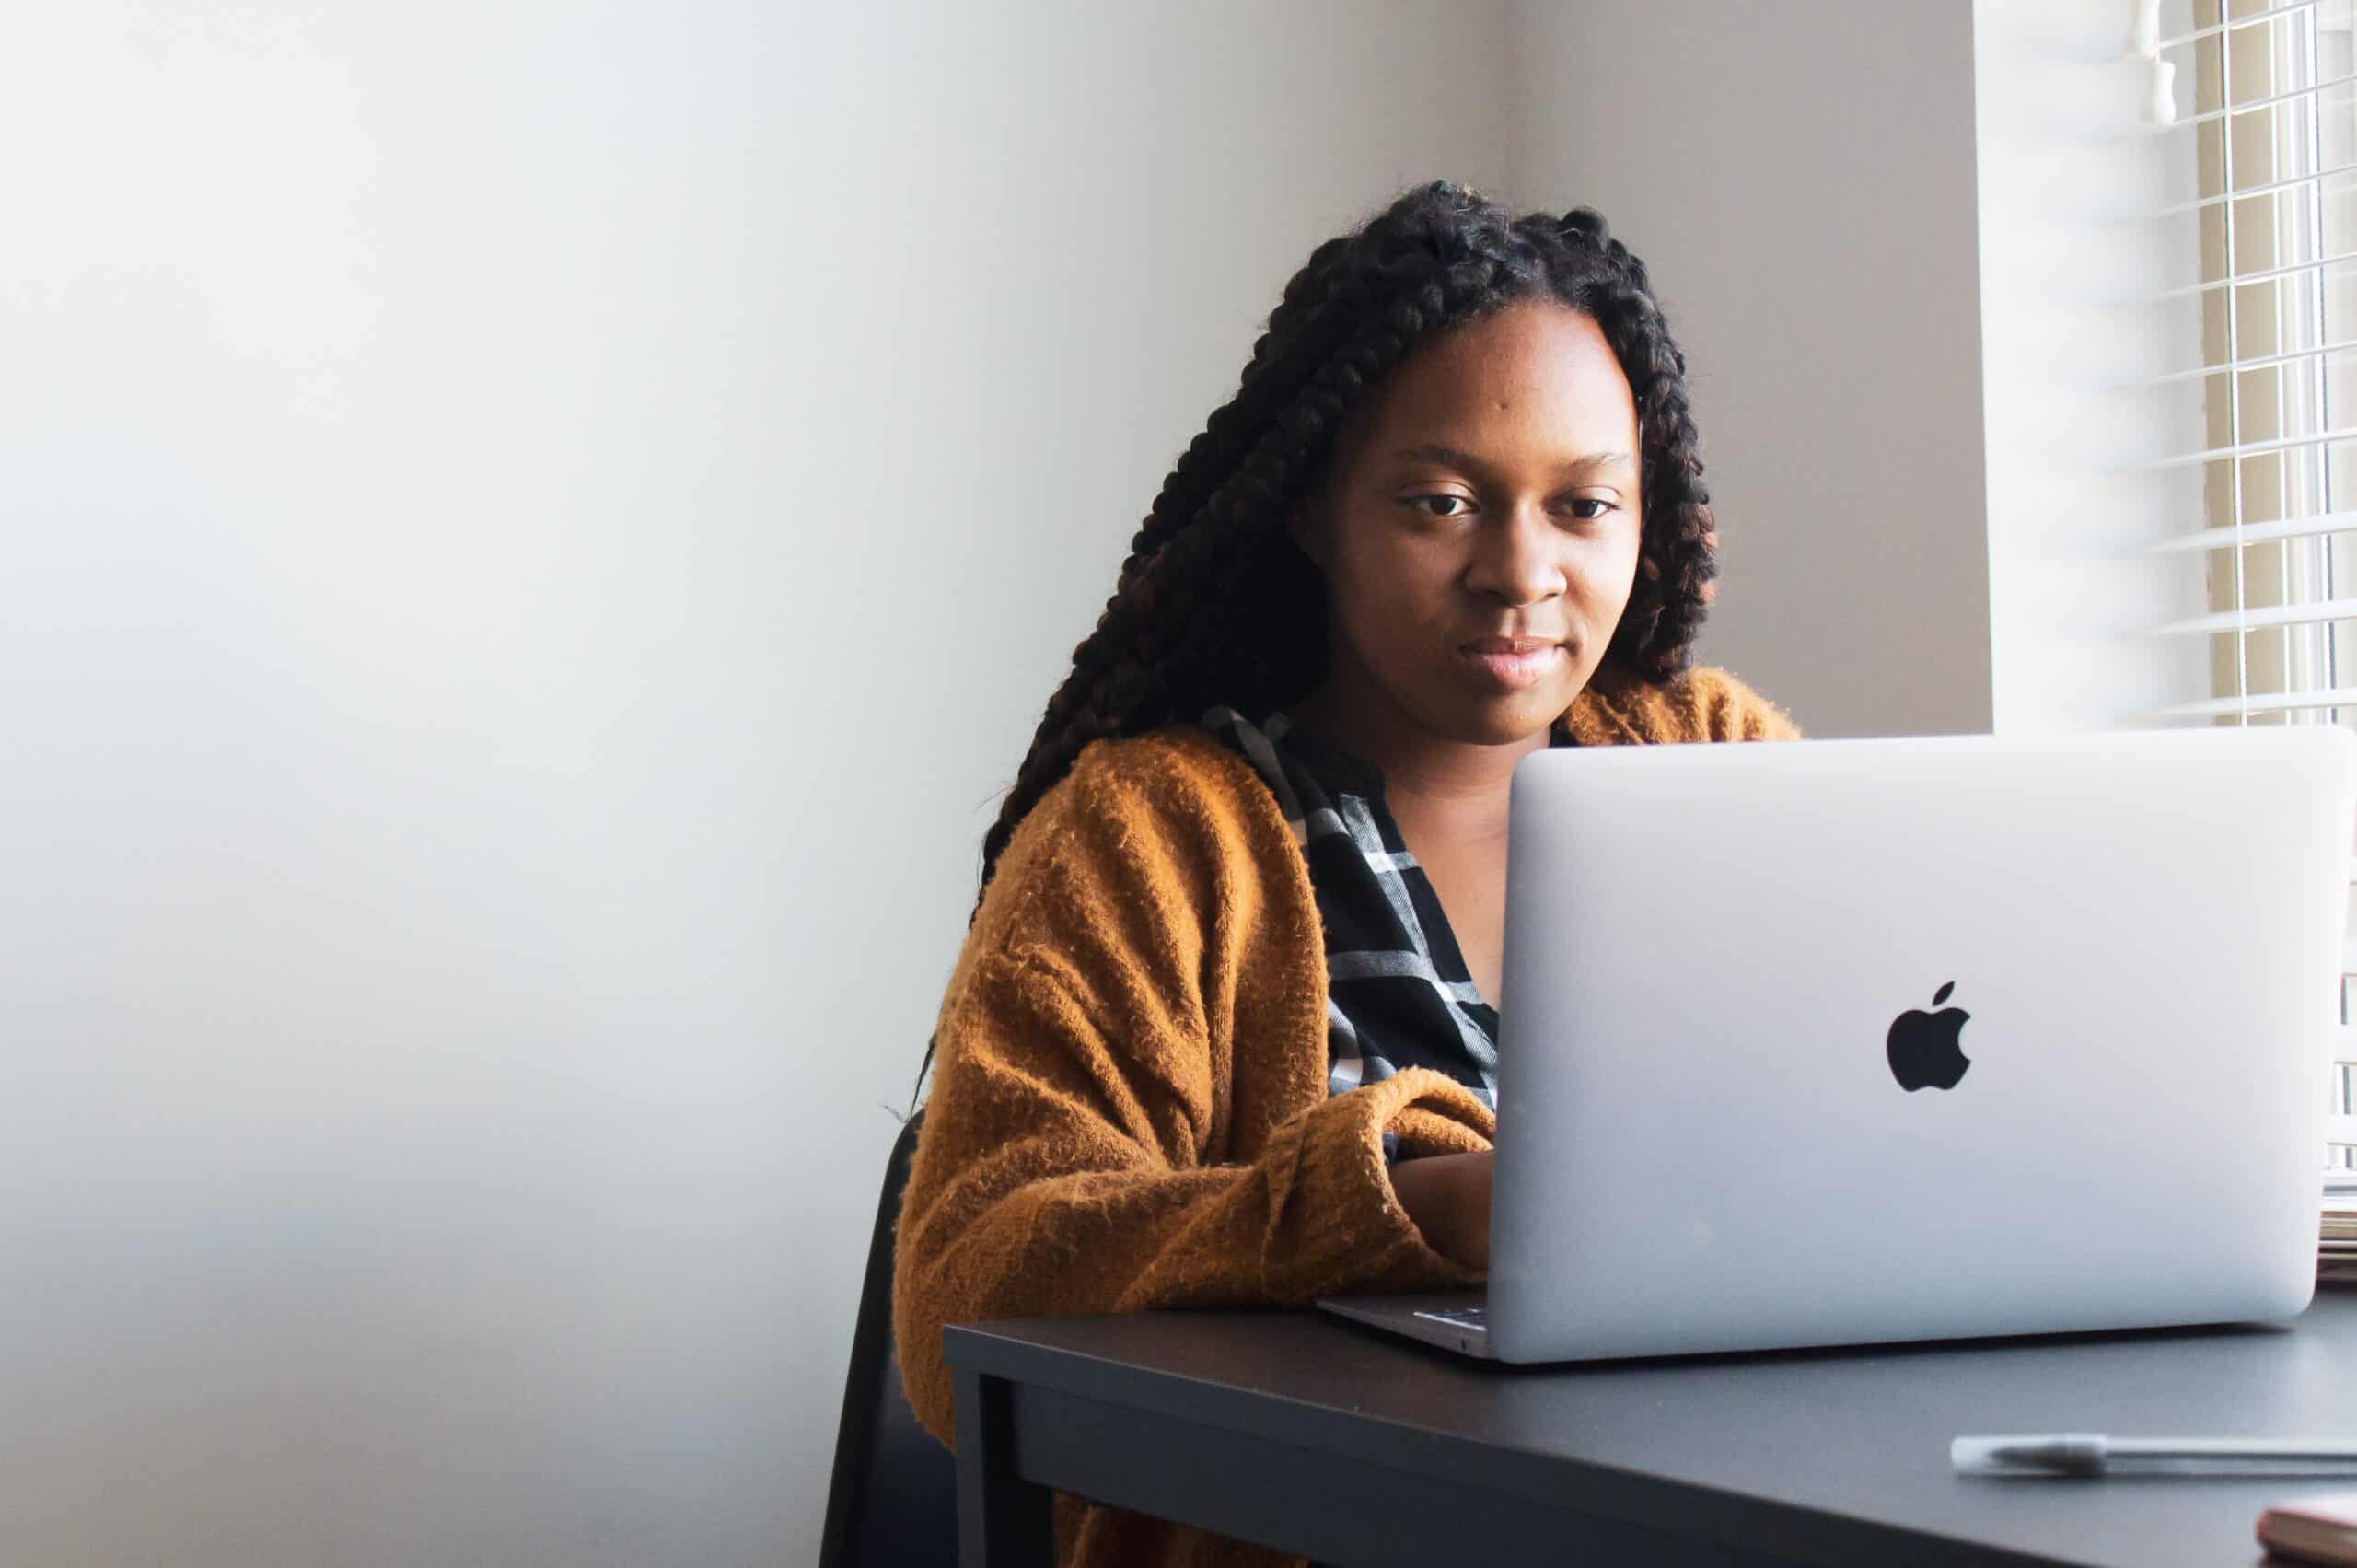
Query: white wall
{"x": 1798, "y": 178}
{"x": 2066, "y": 165}
{"x": 534, "y": 537}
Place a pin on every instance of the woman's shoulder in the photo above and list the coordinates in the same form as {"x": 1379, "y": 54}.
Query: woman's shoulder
{"x": 1168, "y": 822}
{"x": 1175, "y": 772}
{"x": 1702, "y": 703}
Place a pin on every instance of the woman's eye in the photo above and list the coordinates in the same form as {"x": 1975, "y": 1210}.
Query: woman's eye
{"x": 1600, "y": 507}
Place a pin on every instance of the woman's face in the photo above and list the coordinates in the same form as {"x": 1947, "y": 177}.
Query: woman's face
{"x": 1487, "y": 489}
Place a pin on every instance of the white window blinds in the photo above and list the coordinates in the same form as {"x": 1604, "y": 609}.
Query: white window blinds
{"x": 2262, "y": 101}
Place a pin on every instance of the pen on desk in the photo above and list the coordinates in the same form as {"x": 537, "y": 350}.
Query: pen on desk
{"x": 2093, "y": 1454}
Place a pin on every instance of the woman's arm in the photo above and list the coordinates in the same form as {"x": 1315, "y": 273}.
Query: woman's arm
{"x": 1046, "y": 1180}
{"x": 1099, "y": 1136}
{"x": 1448, "y": 1197}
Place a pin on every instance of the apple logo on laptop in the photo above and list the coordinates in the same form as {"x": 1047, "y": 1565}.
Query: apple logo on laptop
{"x": 1922, "y": 1046}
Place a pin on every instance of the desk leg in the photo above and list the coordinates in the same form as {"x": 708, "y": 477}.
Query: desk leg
{"x": 1003, "y": 1521}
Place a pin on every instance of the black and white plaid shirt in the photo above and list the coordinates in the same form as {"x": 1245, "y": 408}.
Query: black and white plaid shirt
{"x": 1398, "y": 991}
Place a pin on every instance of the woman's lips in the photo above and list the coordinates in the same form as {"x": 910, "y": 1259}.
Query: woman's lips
{"x": 1512, "y": 672}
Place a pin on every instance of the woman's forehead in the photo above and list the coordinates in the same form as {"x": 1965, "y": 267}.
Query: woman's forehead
{"x": 1535, "y": 377}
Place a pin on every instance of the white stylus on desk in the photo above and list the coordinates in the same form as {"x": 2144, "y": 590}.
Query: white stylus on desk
{"x": 2092, "y": 1453}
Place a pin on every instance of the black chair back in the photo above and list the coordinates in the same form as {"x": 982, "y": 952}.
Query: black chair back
{"x": 894, "y": 1498}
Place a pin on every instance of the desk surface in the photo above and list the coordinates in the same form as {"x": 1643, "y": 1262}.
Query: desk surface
{"x": 1820, "y": 1456}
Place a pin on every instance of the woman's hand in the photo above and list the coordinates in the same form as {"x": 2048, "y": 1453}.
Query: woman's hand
{"x": 1448, "y": 1197}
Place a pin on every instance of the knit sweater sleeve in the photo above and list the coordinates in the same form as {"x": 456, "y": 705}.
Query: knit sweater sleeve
{"x": 1083, "y": 1067}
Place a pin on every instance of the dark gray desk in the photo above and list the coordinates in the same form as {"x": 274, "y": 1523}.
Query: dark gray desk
{"x": 1347, "y": 1445}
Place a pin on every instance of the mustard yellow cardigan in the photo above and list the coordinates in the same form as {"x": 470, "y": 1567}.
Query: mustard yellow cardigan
{"x": 1129, "y": 1104}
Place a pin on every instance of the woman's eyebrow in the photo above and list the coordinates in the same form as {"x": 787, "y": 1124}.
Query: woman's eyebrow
{"x": 1435, "y": 452}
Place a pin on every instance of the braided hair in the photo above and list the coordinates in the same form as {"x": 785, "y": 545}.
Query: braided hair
{"x": 1217, "y": 604}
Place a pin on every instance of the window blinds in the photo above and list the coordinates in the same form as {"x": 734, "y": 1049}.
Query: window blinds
{"x": 2262, "y": 99}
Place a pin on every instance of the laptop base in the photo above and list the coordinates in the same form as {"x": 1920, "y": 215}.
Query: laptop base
{"x": 1452, "y": 1320}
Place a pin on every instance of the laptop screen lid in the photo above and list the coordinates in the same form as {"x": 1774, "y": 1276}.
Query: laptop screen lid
{"x": 1835, "y": 1042}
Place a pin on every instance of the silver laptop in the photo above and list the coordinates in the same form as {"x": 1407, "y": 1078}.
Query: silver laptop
{"x": 1845, "y": 1041}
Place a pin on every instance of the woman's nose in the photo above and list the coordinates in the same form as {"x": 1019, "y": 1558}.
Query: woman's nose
{"x": 1517, "y": 558}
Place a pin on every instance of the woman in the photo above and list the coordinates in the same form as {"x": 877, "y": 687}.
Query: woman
{"x": 1222, "y": 1031}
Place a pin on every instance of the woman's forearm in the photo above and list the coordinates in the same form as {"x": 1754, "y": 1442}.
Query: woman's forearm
{"x": 1448, "y": 1197}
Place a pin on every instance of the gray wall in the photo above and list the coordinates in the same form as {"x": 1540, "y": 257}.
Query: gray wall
{"x": 534, "y": 534}
{"x": 537, "y": 534}
{"x": 1798, "y": 178}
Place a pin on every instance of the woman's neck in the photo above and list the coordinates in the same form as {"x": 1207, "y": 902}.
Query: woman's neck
{"x": 1421, "y": 773}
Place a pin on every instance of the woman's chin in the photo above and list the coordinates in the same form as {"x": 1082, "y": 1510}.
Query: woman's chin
{"x": 1506, "y": 720}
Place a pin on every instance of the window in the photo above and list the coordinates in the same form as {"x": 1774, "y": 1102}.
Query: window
{"x": 2270, "y": 150}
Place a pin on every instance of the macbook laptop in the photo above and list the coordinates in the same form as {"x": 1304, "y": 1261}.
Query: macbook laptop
{"x": 1845, "y": 1041}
